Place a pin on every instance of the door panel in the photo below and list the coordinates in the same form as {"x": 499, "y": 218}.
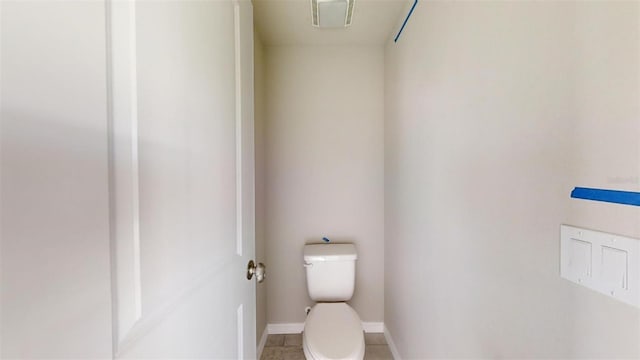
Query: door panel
{"x": 186, "y": 116}
{"x": 54, "y": 204}
{"x": 183, "y": 178}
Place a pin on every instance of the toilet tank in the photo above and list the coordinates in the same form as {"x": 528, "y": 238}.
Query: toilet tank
{"x": 331, "y": 271}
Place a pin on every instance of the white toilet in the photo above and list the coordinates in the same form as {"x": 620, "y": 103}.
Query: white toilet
{"x": 332, "y": 330}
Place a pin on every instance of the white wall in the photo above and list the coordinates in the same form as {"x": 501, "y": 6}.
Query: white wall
{"x": 605, "y": 154}
{"x": 494, "y": 112}
{"x": 324, "y": 169}
{"x": 606, "y": 140}
{"x": 54, "y": 226}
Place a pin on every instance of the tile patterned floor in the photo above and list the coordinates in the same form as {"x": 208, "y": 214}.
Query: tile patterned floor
{"x": 289, "y": 347}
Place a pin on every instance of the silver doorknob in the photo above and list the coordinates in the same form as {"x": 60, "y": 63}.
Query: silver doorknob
{"x": 258, "y": 271}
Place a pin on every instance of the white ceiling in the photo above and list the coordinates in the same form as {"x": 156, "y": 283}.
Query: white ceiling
{"x": 288, "y": 22}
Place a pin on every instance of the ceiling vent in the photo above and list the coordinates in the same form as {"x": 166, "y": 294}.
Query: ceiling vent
{"x": 332, "y": 13}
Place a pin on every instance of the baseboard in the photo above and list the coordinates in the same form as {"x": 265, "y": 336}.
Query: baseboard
{"x": 373, "y": 327}
{"x": 285, "y": 328}
{"x": 262, "y": 343}
{"x": 295, "y": 328}
{"x": 392, "y": 345}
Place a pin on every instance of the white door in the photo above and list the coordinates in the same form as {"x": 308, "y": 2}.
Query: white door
{"x": 182, "y": 178}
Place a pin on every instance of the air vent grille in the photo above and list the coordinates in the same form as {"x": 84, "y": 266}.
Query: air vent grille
{"x": 350, "y": 13}
{"x": 332, "y": 13}
{"x": 314, "y": 12}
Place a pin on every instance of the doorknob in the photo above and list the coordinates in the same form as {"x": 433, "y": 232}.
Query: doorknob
{"x": 258, "y": 271}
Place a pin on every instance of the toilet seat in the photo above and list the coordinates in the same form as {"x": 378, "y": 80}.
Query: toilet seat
{"x": 333, "y": 331}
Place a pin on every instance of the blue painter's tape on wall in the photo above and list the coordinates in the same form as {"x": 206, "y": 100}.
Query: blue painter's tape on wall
{"x": 405, "y": 20}
{"x": 612, "y": 196}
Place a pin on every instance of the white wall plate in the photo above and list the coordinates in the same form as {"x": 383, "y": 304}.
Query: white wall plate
{"x": 600, "y": 261}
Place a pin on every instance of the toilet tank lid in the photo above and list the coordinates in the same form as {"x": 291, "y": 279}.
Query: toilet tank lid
{"x": 330, "y": 252}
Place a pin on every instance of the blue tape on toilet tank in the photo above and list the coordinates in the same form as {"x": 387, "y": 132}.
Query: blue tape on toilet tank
{"x": 612, "y": 196}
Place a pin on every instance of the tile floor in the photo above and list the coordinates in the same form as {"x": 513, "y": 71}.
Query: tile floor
{"x": 289, "y": 347}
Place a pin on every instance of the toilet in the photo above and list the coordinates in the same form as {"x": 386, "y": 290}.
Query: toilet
{"x": 332, "y": 330}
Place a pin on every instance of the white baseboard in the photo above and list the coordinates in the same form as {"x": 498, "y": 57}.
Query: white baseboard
{"x": 262, "y": 343}
{"x": 286, "y": 328}
{"x": 392, "y": 345}
{"x": 295, "y": 328}
{"x": 373, "y": 327}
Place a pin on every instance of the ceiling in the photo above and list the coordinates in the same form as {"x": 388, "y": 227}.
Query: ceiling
{"x": 288, "y": 22}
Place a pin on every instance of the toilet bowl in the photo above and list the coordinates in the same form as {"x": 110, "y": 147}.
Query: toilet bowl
{"x": 333, "y": 331}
